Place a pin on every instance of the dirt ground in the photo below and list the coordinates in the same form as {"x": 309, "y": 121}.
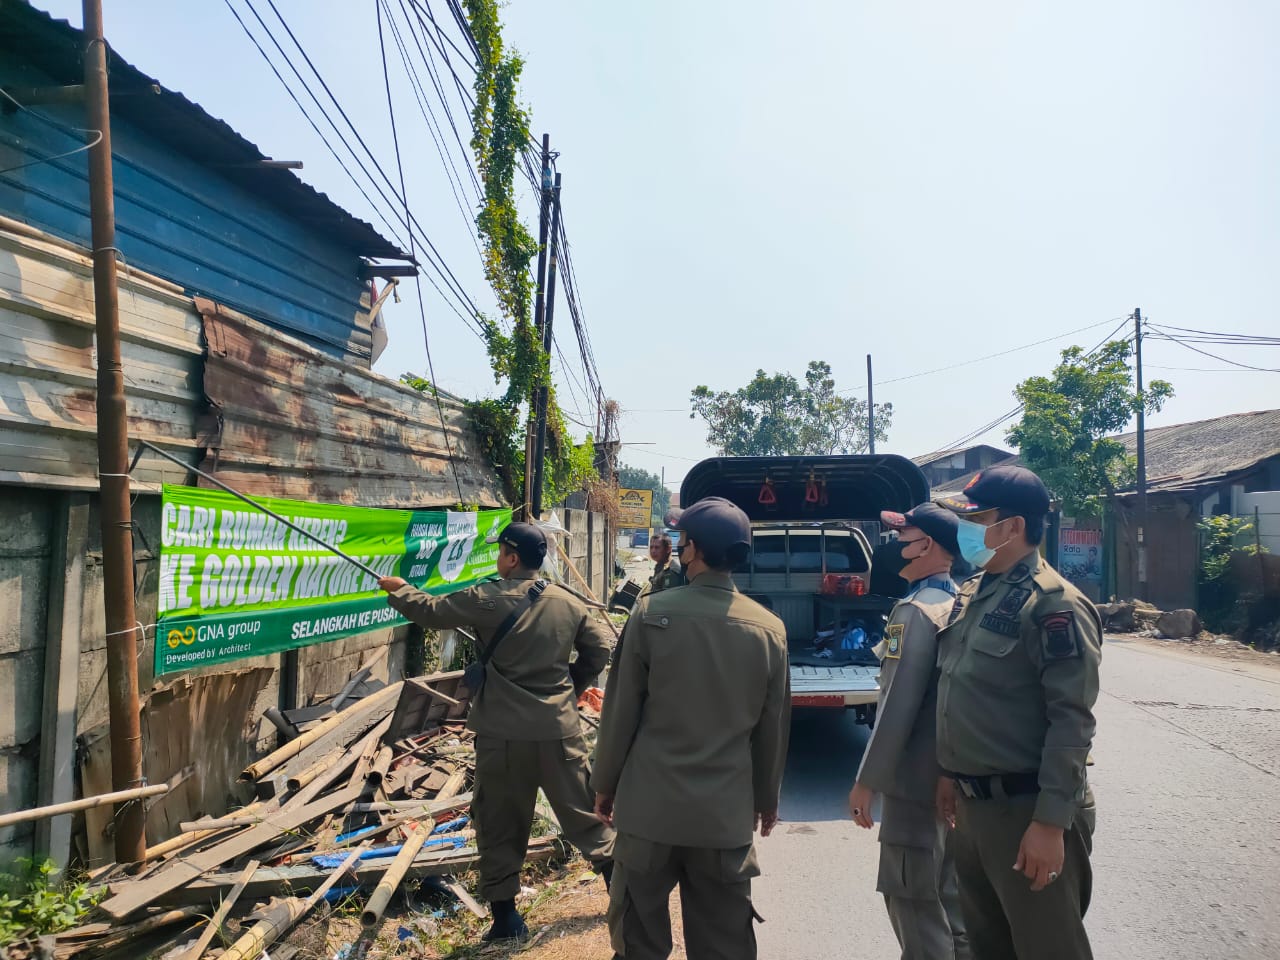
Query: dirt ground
{"x": 1210, "y": 645}
{"x": 564, "y": 907}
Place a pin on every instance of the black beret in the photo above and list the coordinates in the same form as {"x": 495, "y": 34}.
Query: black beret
{"x": 527, "y": 540}
{"x": 717, "y": 526}
{"x": 932, "y": 520}
{"x": 1001, "y": 488}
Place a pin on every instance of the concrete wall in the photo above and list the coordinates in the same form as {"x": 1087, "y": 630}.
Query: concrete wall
{"x": 1265, "y": 507}
{"x": 52, "y": 620}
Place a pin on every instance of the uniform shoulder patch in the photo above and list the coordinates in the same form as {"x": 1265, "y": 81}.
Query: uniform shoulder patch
{"x": 893, "y": 634}
{"x": 1059, "y": 637}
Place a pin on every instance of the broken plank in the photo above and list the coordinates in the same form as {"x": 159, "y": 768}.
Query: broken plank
{"x": 215, "y": 922}
{"x": 300, "y": 878}
{"x": 137, "y": 894}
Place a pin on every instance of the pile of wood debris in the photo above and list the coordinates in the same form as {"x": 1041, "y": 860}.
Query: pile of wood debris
{"x": 358, "y": 803}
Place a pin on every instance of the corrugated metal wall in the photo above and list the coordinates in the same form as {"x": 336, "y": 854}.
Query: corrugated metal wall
{"x": 48, "y": 431}
{"x": 286, "y": 421}
{"x": 179, "y": 219}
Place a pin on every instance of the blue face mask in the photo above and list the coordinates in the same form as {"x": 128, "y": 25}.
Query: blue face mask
{"x": 973, "y": 543}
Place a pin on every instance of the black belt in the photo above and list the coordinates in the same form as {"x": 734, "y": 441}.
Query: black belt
{"x": 980, "y": 788}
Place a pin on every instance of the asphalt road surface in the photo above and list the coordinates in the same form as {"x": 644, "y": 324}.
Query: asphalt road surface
{"x": 1187, "y": 854}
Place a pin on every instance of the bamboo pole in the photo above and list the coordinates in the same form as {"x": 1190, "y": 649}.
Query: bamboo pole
{"x": 586, "y": 586}
{"x": 281, "y": 917}
{"x": 301, "y": 779}
{"x": 295, "y": 747}
{"x": 215, "y": 922}
{"x": 381, "y": 896}
{"x": 87, "y": 803}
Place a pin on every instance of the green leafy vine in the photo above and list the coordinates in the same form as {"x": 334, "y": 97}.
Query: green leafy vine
{"x": 501, "y": 127}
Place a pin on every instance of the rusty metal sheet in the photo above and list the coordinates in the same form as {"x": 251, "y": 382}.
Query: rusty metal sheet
{"x": 48, "y": 427}
{"x": 286, "y": 420}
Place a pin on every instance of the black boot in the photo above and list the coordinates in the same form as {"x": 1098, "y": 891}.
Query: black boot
{"x": 507, "y": 922}
{"x": 605, "y": 869}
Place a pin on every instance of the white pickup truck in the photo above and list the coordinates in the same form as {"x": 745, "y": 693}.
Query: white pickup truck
{"x": 800, "y": 538}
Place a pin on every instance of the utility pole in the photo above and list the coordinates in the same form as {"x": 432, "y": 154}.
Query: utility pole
{"x": 532, "y": 493}
{"x": 543, "y": 400}
{"x": 1142, "y": 459}
{"x": 113, "y": 459}
{"x": 871, "y": 409}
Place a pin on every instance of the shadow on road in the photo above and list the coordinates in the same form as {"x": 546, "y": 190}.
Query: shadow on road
{"x": 826, "y": 748}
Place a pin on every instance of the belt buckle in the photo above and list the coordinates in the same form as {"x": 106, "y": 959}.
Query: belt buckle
{"x": 966, "y": 788}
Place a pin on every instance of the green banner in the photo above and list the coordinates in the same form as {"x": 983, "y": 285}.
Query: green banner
{"x": 236, "y": 583}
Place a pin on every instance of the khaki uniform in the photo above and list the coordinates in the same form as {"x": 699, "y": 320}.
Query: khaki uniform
{"x": 917, "y": 875}
{"x": 528, "y": 734}
{"x": 1019, "y": 677}
{"x": 665, "y": 576}
{"x": 692, "y": 744}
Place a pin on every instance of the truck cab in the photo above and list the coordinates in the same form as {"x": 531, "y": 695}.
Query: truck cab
{"x": 812, "y": 560}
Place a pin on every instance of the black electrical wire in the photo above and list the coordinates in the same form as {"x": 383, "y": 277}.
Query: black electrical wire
{"x": 422, "y": 311}
{"x": 1234, "y": 363}
{"x": 411, "y": 221}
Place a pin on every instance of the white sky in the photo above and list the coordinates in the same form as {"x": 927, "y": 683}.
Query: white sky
{"x": 753, "y": 184}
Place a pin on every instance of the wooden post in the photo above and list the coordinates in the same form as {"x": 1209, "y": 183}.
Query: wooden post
{"x": 56, "y": 777}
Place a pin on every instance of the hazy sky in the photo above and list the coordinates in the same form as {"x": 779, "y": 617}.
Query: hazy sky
{"x": 752, "y": 184}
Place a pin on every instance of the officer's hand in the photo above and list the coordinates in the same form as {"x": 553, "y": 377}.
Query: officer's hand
{"x": 860, "y": 800}
{"x": 604, "y": 808}
{"x": 945, "y": 799}
{"x": 391, "y": 584}
{"x": 766, "y": 821}
{"x": 1040, "y": 854}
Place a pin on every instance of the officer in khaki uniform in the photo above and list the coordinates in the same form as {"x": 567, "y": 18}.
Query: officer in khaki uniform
{"x": 917, "y": 874}
{"x": 667, "y": 570}
{"x": 691, "y": 749}
{"x": 1019, "y": 677}
{"x": 525, "y": 717}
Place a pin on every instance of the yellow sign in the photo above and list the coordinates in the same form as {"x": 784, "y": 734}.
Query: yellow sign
{"x": 635, "y": 508}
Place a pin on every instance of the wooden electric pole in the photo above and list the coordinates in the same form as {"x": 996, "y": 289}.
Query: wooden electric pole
{"x": 113, "y": 459}
{"x": 539, "y": 320}
{"x": 1142, "y": 458}
{"x": 871, "y": 410}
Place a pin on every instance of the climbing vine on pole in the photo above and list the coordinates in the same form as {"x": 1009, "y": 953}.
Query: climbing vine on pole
{"x": 501, "y": 127}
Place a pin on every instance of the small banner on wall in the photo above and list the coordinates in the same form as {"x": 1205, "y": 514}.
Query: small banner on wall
{"x": 236, "y": 583}
{"x": 1080, "y": 555}
{"x": 635, "y": 508}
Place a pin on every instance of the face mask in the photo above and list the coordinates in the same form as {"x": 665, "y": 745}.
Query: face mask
{"x": 973, "y": 543}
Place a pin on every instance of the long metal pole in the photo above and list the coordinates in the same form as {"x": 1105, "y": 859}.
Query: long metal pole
{"x": 254, "y": 503}
{"x": 540, "y": 426}
{"x": 871, "y": 410}
{"x": 113, "y": 459}
{"x": 1142, "y": 459}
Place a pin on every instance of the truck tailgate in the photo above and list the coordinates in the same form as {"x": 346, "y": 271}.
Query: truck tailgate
{"x": 834, "y": 686}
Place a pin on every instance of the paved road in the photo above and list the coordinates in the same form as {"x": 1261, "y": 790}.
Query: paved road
{"x": 1187, "y": 855}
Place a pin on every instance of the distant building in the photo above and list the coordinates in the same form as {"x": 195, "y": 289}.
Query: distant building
{"x": 942, "y": 467}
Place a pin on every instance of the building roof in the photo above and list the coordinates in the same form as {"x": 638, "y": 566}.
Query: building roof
{"x": 1189, "y": 455}
{"x": 55, "y": 48}
{"x": 1185, "y": 456}
{"x": 928, "y": 458}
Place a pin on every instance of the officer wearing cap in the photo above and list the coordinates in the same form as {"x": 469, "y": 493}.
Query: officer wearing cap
{"x": 917, "y": 876}
{"x": 667, "y": 569}
{"x": 525, "y": 716}
{"x": 691, "y": 748}
{"x": 1018, "y": 679}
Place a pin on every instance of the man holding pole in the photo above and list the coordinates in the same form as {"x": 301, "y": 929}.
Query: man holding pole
{"x": 528, "y": 734}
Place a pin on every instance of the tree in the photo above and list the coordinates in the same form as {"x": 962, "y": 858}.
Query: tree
{"x": 634, "y": 478}
{"x": 776, "y": 415}
{"x": 1067, "y": 418}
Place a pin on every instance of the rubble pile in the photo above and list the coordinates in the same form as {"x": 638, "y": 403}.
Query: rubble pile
{"x": 362, "y": 801}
